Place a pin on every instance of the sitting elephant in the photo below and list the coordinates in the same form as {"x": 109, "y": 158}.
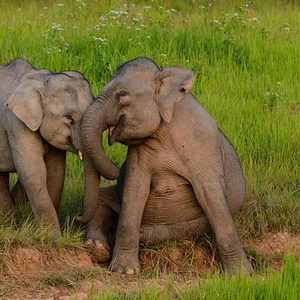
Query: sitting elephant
{"x": 40, "y": 118}
{"x": 181, "y": 178}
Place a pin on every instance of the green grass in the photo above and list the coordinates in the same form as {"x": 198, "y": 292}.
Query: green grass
{"x": 268, "y": 286}
{"x": 246, "y": 62}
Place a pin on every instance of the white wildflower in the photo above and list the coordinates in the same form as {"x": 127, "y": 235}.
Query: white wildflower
{"x": 56, "y": 27}
{"x": 102, "y": 40}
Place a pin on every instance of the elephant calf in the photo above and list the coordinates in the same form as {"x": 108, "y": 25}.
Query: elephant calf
{"x": 40, "y": 118}
{"x": 181, "y": 178}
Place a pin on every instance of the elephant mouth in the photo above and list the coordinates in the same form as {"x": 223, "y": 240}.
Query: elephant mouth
{"x": 111, "y": 134}
{"x": 111, "y": 129}
{"x": 115, "y": 134}
{"x": 114, "y": 131}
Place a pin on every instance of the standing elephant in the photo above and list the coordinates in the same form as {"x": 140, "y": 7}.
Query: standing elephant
{"x": 40, "y": 118}
{"x": 181, "y": 178}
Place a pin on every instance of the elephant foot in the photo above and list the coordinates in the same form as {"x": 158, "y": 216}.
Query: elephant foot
{"x": 125, "y": 264}
{"x": 99, "y": 250}
{"x": 243, "y": 268}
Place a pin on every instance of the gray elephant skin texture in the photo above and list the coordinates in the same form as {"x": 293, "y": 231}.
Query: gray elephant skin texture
{"x": 40, "y": 118}
{"x": 182, "y": 177}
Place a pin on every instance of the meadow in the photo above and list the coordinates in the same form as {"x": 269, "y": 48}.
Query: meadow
{"x": 246, "y": 58}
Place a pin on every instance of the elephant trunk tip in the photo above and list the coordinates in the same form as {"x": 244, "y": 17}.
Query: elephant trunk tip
{"x": 112, "y": 175}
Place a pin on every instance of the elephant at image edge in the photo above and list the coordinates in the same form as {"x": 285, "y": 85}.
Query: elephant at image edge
{"x": 181, "y": 178}
{"x": 40, "y": 118}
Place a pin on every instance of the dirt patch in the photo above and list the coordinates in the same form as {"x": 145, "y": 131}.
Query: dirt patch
{"x": 28, "y": 273}
{"x": 274, "y": 246}
{"x": 270, "y": 249}
{"x": 180, "y": 257}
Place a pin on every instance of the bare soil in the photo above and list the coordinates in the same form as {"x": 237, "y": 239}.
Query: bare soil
{"x": 29, "y": 273}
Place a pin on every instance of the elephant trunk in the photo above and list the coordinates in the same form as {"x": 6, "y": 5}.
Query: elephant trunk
{"x": 91, "y": 190}
{"x": 95, "y": 121}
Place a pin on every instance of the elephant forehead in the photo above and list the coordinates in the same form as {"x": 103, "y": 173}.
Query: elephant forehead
{"x": 141, "y": 64}
{"x": 136, "y": 81}
{"x": 60, "y": 107}
{"x": 70, "y": 99}
{"x": 84, "y": 99}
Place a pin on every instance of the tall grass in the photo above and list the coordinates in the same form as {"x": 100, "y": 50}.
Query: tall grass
{"x": 245, "y": 57}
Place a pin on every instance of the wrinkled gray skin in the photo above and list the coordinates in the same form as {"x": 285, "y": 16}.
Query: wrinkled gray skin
{"x": 40, "y": 118}
{"x": 181, "y": 177}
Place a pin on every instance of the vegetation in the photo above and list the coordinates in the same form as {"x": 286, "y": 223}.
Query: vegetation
{"x": 245, "y": 56}
{"x": 283, "y": 285}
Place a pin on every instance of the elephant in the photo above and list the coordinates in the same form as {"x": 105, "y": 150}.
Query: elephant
{"x": 182, "y": 177}
{"x": 40, "y": 119}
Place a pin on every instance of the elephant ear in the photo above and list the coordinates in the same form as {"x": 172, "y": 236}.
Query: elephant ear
{"x": 173, "y": 84}
{"x": 26, "y": 102}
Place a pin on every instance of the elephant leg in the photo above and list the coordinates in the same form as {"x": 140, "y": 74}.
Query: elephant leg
{"x": 102, "y": 222}
{"x": 134, "y": 197}
{"x": 6, "y": 204}
{"x": 29, "y": 161}
{"x": 18, "y": 193}
{"x": 212, "y": 200}
{"x": 55, "y": 161}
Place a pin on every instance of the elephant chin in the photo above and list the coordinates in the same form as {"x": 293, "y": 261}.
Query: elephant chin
{"x": 127, "y": 142}
{"x": 115, "y": 135}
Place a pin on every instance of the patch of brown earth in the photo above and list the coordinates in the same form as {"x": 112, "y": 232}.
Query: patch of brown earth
{"x": 274, "y": 244}
{"x": 28, "y": 273}
{"x": 29, "y": 262}
{"x": 181, "y": 257}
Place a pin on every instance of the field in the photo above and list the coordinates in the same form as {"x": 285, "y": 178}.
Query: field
{"x": 246, "y": 60}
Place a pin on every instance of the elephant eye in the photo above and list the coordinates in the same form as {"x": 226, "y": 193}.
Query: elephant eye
{"x": 70, "y": 117}
{"x": 121, "y": 93}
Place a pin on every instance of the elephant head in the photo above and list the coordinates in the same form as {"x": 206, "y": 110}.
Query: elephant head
{"x": 133, "y": 104}
{"x": 53, "y": 105}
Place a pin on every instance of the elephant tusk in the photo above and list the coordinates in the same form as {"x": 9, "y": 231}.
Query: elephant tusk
{"x": 80, "y": 155}
{"x": 111, "y": 129}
